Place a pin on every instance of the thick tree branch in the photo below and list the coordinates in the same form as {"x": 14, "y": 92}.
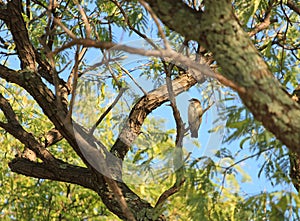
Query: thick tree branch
{"x": 17, "y": 26}
{"x": 292, "y": 5}
{"x": 60, "y": 171}
{"x": 26, "y": 52}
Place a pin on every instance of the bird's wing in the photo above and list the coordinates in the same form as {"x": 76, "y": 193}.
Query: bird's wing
{"x": 194, "y": 112}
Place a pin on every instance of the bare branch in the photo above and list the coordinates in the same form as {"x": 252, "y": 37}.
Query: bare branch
{"x": 85, "y": 42}
{"x": 74, "y": 85}
{"x": 68, "y": 31}
{"x": 176, "y": 113}
{"x": 156, "y": 20}
{"x": 168, "y": 54}
{"x": 71, "y": 76}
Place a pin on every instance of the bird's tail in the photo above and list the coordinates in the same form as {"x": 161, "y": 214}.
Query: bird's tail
{"x": 194, "y": 134}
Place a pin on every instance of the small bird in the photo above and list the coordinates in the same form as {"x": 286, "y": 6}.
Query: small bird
{"x": 195, "y": 113}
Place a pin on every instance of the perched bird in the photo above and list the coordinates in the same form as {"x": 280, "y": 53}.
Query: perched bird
{"x": 195, "y": 113}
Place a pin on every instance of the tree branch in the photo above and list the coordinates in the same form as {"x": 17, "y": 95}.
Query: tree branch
{"x": 122, "y": 90}
{"x": 45, "y": 98}
{"x": 52, "y": 136}
{"x": 169, "y": 192}
{"x": 60, "y": 171}
{"x": 265, "y": 23}
{"x": 293, "y": 6}
{"x": 14, "y": 128}
{"x": 17, "y": 26}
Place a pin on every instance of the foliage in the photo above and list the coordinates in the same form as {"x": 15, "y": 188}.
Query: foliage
{"x": 213, "y": 186}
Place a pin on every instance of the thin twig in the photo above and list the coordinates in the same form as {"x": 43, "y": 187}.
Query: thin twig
{"x": 286, "y": 16}
{"x": 132, "y": 78}
{"x": 71, "y": 76}
{"x": 265, "y": 23}
{"x": 156, "y": 20}
{"x": 131, "y": 27}
{"x": 110, "y": 70}
{"x": 239, "y": 161}
{"x": 122, "y": 90}
{"x": 208, "y": 107}
{"x": 94, "y": 66}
